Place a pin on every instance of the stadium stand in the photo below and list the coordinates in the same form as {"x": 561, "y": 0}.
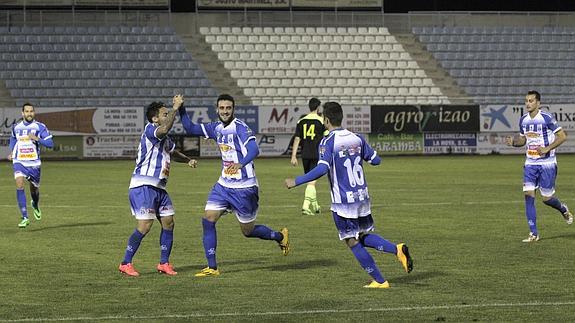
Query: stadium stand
{"x": 493, "y": 64}
{"x": 62, "y": 66}
{"x": 276, "y": 65}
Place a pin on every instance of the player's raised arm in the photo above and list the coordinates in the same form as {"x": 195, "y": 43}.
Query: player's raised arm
{"x": 190, "y": 127}
{"x": 169, "y": 117}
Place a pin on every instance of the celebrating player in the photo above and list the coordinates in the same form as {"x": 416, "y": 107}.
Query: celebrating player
{"x": 237, "y": 187}
{"x": 148, "y": 197}
{"x": 540, "y": 131}
{"x": 341, "y": 156}
{"x": 27, "y": 136}
{"x": 309, "y": 131}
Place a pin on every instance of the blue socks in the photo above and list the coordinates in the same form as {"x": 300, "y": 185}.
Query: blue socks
{"x": 133, "y": 245}
{"x": 263, "y": 232}
{"x": 379, "y": 243}
{"x": 367, "y": 262}
{"x": 21, "y": 198}
{"x": 556, "y": 204}
{"x": 530, "y": 213}
{"x": 166, "y": 241}
{"x": 210, "y": 242}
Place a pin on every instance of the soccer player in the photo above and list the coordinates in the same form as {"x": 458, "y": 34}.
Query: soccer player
{"x": 27, "y": 136}
{"x": 542, "y": 135}
{"x": 309, "y": 131}
{"x": 237, "y": 187}
{"x": 148, "y": 197}
{"x": 341, "y": 156}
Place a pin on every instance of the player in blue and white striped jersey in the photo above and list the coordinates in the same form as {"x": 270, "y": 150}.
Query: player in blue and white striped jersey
{"x": 541, "y": 134}
{"x": 148, "y": 197}
{"x": 27, "y": 136}
{"x": 237, "y": 187}
{"x": 341, "y": 156}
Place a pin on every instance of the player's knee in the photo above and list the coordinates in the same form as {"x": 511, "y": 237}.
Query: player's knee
{"x": 168, "y": 225}
{"x": 247, "y": 232}
{"x": 247, "y": 229}
{"x": 530, "y": 193}
{"x": 351, "y": 242}
{"x": 144, "y": 226}
{"x": 20, "y": 183}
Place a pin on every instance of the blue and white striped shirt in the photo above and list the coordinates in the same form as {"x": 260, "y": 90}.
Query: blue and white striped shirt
{"x": 26, "y": 151}
{"x": 539, "y": 132}
{"x": 153, "y": 160}
{"x": 232, "y": 141}
{"x": 344, "y": 153}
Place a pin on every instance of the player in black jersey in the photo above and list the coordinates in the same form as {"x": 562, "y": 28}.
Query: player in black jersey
{"x": 309, "y": 131}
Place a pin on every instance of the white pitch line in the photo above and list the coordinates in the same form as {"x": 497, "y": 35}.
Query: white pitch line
{"x": 201, "y": 205}
{"x": 286, "y": 206}
{"x": 294, "y": 313}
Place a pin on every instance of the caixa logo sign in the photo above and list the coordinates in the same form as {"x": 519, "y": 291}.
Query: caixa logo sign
{"x": 424, "y": 118}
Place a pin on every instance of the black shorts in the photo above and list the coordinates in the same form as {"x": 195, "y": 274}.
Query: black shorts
{"x": 308, "y": 164}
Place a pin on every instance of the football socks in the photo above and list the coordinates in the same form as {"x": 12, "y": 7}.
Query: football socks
{"x": 21, "y": 198}
{"x": 133, "y": 245}
{"x": 263, "y": 232}
{"x": 35, "y": 197}
{"x": 367, "y": 263}
{"x": 530, "y": 213}
{"x": 556, "y": 204}
{"x": 210, "y": 242}
{"x": 379, "y": 243}
{"x": 166, "y": 241}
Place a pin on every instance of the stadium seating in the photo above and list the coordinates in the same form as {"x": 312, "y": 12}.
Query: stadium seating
{"x": 500, "y": 64}
{"x": 64, "y": 66}
{"x": 287, "y": 64}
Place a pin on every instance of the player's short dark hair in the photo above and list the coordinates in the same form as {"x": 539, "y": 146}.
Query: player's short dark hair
{"x": 333, "y": 112}
{"x": 27, "y": 104}
{"x": 226, "y": 97}
{"x": 537, "y": 95}
{"x": 313, "y": 104}
{"x": 153, "y": 110}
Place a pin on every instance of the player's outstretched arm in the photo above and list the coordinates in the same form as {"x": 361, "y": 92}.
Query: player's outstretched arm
{"x": 290, "y": 183}
{"x": 317, "y": 172}
{"x": 183, "y": 158}
{"x": 190, "y": 127}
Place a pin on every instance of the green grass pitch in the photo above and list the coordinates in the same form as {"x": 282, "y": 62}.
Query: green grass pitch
{"x": 462, "y": 218}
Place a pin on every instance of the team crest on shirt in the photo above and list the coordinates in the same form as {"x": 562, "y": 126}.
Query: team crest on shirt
{"x": 321, "y": 151}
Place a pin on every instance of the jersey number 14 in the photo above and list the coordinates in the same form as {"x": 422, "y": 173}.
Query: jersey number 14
{"x": 308, "y": 132}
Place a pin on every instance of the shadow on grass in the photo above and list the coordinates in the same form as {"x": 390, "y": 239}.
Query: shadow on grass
{"x": 301, "y": 265}
{"x": 561, "y": 236}
{"x": 71, "y": 225}
{"x": 221, "y": 264}
{"x": 416, "y": 277}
